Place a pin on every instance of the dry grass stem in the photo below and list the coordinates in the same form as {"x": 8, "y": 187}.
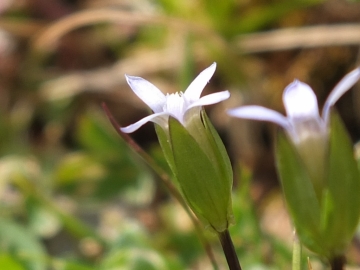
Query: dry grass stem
{"x": 46, "y": 40}
{"x": 306, "y": 37}
{"x": 105, "y": 79}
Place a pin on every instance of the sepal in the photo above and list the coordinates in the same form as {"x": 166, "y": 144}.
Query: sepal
{"x": 299, "y": 192}
{"x": 199, "y": 179}
{"x": 340, "y": 213}
{"x": 164, "y": 141}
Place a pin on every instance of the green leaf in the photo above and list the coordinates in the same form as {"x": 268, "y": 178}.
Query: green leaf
{"x": 299, "y": 193}
{"x": 95, "y": 135}
{"x": 8, "y": 262}
{"x": 342, "y": 209}
{"x": 42, "y": 221}
{"x": 78, "y": 166}
{"x": 204, "y": 189}
{"x": 135, "y": 259}
{"x": 110, "y": 158}
{"x": 134, "y": 249}
{"x": 71, "y": 265}
{"x": 23, "y": 245}
{"x": 261, "y": 16}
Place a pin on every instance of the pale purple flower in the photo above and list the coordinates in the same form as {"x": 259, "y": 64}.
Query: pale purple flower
{"x": 178, "y": 105}
{"x": 303, "y": 118}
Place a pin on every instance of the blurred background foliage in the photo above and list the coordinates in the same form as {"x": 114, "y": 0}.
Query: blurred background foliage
{"x": 73, "y": 195}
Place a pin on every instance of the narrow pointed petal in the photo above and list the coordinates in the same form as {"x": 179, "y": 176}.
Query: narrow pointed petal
{"x": 211, "y": 99}
{"x": 194, "y": 90}
{"x": 340, "y": 89}
{"x": 300, "y": 102}
{"x": 147, "y": 92}
{"x": 159, "y": 118}
{"x": 261, "y": 114}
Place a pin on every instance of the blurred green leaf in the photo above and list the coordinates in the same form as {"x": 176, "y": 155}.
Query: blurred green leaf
{"x": 71, "y": 265}
{"x": 135, "y": 249}
{"x": 42, "y": 221}
{"x": 78, "y": 166}
{"x": 188, "y": 70}
{"x": 23, "y": 244}
{"x": 13, "y": 167}
{"x": 96, "y": 136}
{"x": 261, "y": 16}
{"x": 123, "y": 169}
{"x": 136, "y": 259}
{"x": 9, "y": 263}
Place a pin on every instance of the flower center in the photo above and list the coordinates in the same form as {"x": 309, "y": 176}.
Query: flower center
{"x": 176, "y": 105}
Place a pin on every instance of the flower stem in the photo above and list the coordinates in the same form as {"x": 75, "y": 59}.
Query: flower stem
{"x": 338, "y": 263}
{"x": 229, "y": 250}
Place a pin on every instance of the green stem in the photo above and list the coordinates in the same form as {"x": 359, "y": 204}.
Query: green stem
{"x": 296, "y": 255}
{"x": 229, "y": 250}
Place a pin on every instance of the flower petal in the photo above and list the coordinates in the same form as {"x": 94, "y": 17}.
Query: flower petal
{"x": 158, "y": 118}
{"x": 210, "y": 99}
{"x": 147, "y": 92}
{"x": 260, "y": 113}
{"x": 344, "y": 85}
{"x": 300, "y": 102}
{"x": 194, "y": 90}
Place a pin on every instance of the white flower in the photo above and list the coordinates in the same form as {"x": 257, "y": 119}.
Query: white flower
{"x": 179, "y": 105}
{"x": 303, "y": 119}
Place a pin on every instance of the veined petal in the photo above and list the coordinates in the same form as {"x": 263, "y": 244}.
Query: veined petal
{"x": 158, "y": 118}
{"x": 194, "y": 90}
{"x": 210, "y": 99}
{"x": 344, "y": 85}
{"x": 260, "y": 113}
{"x": 300, "y": 102}
{"x": 147, "y": 92}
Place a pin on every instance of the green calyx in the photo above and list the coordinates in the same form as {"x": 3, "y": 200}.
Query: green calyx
{"x": 326, "y": 218}
{"x": 202, "y": 168}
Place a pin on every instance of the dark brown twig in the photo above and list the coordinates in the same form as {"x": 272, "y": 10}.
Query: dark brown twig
{"x": 338, "y": 263}
{"x": 229, "y": 250}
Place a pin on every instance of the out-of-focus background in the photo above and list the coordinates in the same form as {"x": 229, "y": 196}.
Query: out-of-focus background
{"x": 74, "y": 196}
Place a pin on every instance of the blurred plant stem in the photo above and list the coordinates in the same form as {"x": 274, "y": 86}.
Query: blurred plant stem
{"x": 296, "y": 255}
{"x": 165, "y": 178}
{"x": 338, "y": 262}
{"x": 229, "y": 250}
{"x": 48, "y": 38}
